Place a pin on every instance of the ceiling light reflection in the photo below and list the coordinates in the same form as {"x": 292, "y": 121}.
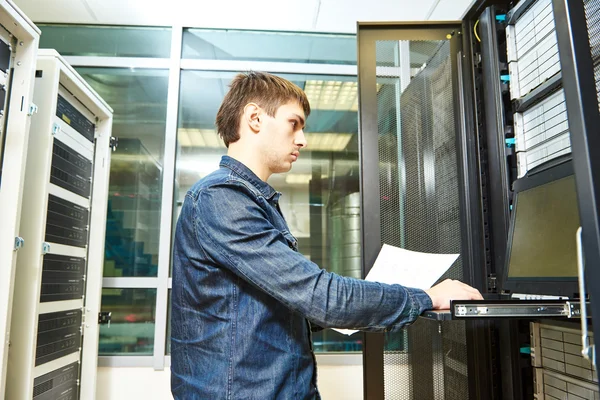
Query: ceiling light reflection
{"x": 317, "y": 141}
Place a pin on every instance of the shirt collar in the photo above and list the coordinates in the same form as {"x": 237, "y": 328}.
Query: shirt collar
{"x": 240, "y": 169}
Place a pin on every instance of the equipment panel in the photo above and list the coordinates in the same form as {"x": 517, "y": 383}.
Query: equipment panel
{"x": 532, "y": 48}
{"x": 560, "y": 369}
{"x": 559, "y": 349}
{"x": 71, "y": 170}
{"x": 62, "y": 278}
{"x": 59, "y": 384}
{"x": 542, "y": 132}
{"x": 66, "y": 222}
{"x": 59, "y": 334}
{"x": 69, "y": 114}
{"x": 60, "y": 210}
{"x": 540, "y": 120}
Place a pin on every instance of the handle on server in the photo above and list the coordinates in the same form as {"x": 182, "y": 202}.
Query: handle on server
{"x": 587, "y": 350}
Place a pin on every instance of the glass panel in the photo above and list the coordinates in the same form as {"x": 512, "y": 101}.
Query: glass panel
{"x": 139, "y": 100}
{"x": 210, "y": 44}
{"x": 131, "y": 330}
{"x": 107, "y": 41}
{"x": 320, "y": 194}
{"x": 390, "y": 51}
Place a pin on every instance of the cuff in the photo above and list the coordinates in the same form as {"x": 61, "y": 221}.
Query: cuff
{"x": 419, "y": 302}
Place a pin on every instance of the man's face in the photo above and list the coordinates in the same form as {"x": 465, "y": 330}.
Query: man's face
{"x": 283, "y": 137}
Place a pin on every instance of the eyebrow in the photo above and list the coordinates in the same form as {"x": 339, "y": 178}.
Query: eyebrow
{"x": 300, "y": 118}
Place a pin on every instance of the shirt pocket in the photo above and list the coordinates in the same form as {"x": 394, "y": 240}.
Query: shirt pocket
{"x": 292, "y": 242}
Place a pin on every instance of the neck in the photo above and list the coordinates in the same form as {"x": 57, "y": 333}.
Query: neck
{"x": 249, "y": 159}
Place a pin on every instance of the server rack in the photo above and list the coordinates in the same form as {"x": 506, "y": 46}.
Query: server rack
{"x": 19, "y": 39}
{"x": 513, "y": 119}
{"x": 54, "y": 331}
{"x": 539, "y": 117}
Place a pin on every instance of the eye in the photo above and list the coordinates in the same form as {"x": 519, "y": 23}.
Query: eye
{"x": 294, "y": 123}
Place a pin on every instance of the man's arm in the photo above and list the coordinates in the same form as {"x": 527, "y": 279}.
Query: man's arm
{"x": 234, "y": 230}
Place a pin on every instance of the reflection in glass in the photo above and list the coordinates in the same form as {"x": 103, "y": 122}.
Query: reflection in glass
{"x": 138, "y": 98}
{"x": 319, "y": 193}
{"x": 220, "y": 44}
{"x": 107, "y": 41}
{"x": 131, "y": 330}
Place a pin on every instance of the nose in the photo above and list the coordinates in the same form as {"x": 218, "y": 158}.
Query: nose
{"x": 300, "y": 139}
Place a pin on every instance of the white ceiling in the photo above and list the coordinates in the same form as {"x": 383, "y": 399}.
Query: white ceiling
{"x": 285, "y": 15}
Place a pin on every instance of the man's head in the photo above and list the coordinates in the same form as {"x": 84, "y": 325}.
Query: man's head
{"x": 264, "y": 115}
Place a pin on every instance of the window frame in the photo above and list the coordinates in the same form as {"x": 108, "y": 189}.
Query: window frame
{"x": 162, "y": 282}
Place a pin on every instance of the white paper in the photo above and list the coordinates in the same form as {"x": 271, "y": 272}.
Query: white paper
{"x": 407, "y": 268}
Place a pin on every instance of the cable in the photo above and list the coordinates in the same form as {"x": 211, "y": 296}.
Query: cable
{"x": 475, "y": 31}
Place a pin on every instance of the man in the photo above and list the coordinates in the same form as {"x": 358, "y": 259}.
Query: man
{"x": 243, "y": 298}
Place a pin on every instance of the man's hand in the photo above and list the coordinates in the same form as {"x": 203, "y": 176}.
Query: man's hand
{"x": 442, "y": 293}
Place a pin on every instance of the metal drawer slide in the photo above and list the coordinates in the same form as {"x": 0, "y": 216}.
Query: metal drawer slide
{"x": 465, "y": 309}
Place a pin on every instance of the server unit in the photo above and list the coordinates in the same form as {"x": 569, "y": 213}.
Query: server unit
{"x": 560, "y": 370}
{"x": 541, "y": 126}
{"x": 19, "y": 39}
{"x": 54, "y": 344}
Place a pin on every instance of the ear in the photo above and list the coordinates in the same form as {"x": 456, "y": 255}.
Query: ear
{"x": 252, "y": 116}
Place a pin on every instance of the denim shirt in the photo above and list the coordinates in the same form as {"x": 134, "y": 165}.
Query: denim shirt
{"x": 244, "y": 299}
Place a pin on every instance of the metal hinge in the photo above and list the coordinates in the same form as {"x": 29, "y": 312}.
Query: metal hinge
{"x": 113, "y": 143}
{"x": 491, "y": 282}
{"x": 19, "y": 242}
{"x": 55, "y": 129}
{"x": 104, "y": 317}
{"x": 32, "y": 109}
{"x": 45, "y": 248}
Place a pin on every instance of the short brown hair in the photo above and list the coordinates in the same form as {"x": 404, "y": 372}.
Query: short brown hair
{"x": 268, "y": 91}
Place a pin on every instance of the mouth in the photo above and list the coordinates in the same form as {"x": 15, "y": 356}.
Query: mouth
{"x": 295, "y": 155}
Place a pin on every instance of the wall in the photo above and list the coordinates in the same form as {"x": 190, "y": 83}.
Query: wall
{"x": 334, "y": 381}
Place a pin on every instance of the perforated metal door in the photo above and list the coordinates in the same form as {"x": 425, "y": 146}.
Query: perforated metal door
{"x": 409, "y": 136}
{"x": 592, "y": 17}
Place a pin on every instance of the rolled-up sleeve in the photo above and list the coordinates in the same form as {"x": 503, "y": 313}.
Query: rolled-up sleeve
{"x": 234, "y": 230}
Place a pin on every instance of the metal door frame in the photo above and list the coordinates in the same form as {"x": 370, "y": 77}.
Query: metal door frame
{"x": 579, "y": 84}
{"x": 468, "y": 174}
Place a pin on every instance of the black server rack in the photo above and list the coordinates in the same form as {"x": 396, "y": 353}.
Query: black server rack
{"x": 508, "y": 133}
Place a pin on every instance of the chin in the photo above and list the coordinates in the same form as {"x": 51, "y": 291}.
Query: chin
{"x": 284, "y": 168}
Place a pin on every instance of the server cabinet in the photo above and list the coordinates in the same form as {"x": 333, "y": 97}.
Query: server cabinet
{"x": 54, "y": 330}
{"x": 550, "y": 185}
{"x": 412, "y": 145}
{"x": 19, "y": 39}
{"x": 471, "y": 158}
